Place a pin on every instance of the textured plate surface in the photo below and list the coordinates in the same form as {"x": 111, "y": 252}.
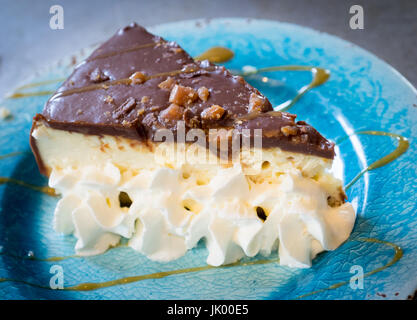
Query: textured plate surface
{"x": 363, "y": 93}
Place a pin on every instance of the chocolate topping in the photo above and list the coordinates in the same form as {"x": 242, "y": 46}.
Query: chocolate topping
{"x": 136, "y": 83}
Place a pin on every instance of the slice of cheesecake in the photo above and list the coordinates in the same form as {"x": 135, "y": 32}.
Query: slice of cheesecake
{"x": 142, "y": 142}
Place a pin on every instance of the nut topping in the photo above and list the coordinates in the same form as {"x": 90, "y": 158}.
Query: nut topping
{"x": 109, "y": 99}
{"x": 173, "y": 113}
{"x": 137, "y": 78}
{"x": 191, "y": 120}
{"x": 144, "y": 99}
{"x": 97, "y": 76}
{"x": 256, "y": 103}
{"x": 182, "y": 96}
{"x": 125, "y": 108}
{"x": 289, "y": 131}
{"x": 215, "y": 112}
{"x": 203, "y": 93}
{"x": 167, "y": 84}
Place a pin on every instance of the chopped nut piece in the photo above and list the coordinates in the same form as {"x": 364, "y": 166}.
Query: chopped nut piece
{"x": 191, "y": 120}
{"x": 137, "y": 78}
{"x": 256, "y": 103}
{"x": 167, "y": 84}
{"x": 176, "y": 50}
{"x": 296, "y": 139}
{"x": 239, "y": 79}
{"x": 215, "y": 112}
{"x": 289, "y": 131}
{"x": 140, "y": 112}
{"x": 107, "y": 113}
{"x": 173, "y": 113}
{"x": 98, "y": 76}
{"x": 125, "y": 108}
{"x": 144, "y": 99}
{"x": 182, "y": 95}
{"x": 270, "y": 133}
{"x": 155, "y": 108}
{"x": 79, "y": 111}
{"x": 203, "y": 93}
{"x": 189, "y": 68}
{"x": 109, "y": 99}
{"x": 149, "y": 119}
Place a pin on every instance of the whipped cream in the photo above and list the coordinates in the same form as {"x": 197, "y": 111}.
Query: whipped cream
{"x": 171, "y": 212}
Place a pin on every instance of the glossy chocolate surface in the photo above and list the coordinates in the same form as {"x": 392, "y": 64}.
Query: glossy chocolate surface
{"x": 102, "y": 96}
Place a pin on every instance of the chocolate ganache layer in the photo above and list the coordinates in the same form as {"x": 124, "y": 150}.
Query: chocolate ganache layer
{"x": 137, "y": 83}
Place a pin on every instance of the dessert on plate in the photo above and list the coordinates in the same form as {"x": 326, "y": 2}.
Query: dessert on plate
{"x": 145, "y": 143}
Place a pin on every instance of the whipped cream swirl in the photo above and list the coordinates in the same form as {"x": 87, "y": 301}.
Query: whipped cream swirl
{"x": 171, "y": 212}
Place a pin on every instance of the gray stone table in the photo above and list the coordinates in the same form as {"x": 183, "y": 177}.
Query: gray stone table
{"x": 27, "y": 42}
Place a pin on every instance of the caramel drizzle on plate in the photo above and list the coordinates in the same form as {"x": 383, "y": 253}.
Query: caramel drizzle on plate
{"x": 44, "y": 189}
{"x": 398, "y": 253}
{"x": 18, "y": 95}
{"x": 320, "y": 76}
{"x": 3, "y": 180}
{"x": 39, "y": 83}
{"x": 402, "y": 147}
{"x": 89, "y": 286}
{"x": 12, "y": 154}
{"x": 216, "y": 55}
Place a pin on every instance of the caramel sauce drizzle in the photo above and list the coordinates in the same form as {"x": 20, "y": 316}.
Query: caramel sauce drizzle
{"x": 40, "y": 83}
{"x": 402, "y": 147}
{"x": 158, "y": 275}
{"x": 320, "y": 76}
{"x": 398, "y": 253}
{"x": 89, "y": 286}
{"x": 3, "y": 180}
{"x": 216, "y": 55}
{"x": 51, "y": 259}
{"x": 126, "y": 81}
{"x": 24, "y": 282}
{"x": 12, "y": 154}
{"x": 131, "y": 49}
{"x": 18, "y": 95}
{"x": 46, "y": 190}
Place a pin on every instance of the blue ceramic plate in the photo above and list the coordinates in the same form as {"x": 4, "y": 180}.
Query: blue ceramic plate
{"x": 363, "y": 93}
